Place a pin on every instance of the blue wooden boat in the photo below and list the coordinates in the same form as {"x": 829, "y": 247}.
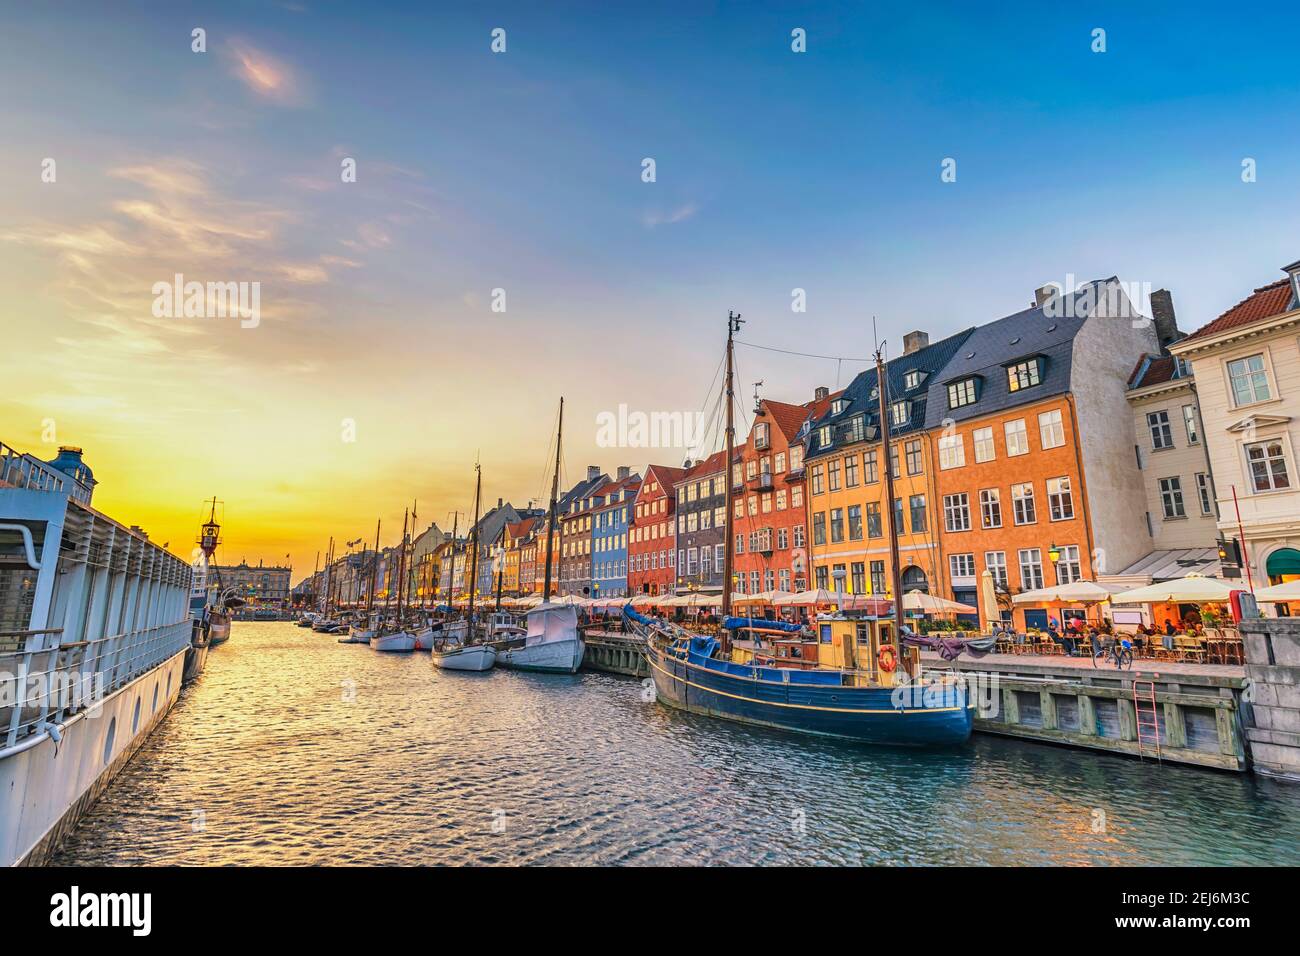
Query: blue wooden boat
{"x": 689, "y": 673}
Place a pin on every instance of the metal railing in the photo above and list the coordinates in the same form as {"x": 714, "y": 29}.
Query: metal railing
{"x": 44, "y": 680}
{"x": 19, "y": 471}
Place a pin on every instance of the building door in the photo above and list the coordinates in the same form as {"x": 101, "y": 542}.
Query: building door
{"x": 914, "y": 579}
{"x": 1036, "y": 617}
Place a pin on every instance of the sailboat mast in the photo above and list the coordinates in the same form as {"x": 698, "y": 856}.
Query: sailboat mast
{"x": 401, "y": 566}
{"x": 374, "y": 564}
{"x": 473, "y": 537}
{"x": 550, "y": 514}
{"x": 734, "y": 322}
{"x": 896, "y": 573}
{"x": 451, "y": 572}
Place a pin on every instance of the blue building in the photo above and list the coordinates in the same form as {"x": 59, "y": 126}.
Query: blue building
{"x": 612, "y": 505}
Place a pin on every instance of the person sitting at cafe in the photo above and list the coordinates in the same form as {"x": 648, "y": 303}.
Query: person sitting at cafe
{"x": 1170, "y": 629}
{"x": 1070, "y": 641}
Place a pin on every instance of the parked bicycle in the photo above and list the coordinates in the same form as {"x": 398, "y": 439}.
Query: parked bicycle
{"x": 1119, "y": 653}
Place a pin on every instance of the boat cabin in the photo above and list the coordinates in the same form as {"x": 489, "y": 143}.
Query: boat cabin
{"x": 855, "y": 643}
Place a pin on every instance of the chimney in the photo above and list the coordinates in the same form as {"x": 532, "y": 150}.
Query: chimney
{"x": 500, "y": 502}
{"x": 820, "y": 392}
{"x": 1049, "y": 291}
{"x": 593, "y": 472}
{"x": 915, "y": 341}
{"x": 1162, "y": 314}
{"x": 623, "y": 472}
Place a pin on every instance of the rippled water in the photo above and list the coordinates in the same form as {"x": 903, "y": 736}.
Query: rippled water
{"x": 295, "y": 749}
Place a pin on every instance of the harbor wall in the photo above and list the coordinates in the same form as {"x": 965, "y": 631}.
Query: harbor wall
{"x": 1273, "y": 671}
{"x": 47, "y": 787}
{"x": 615, "y": 654}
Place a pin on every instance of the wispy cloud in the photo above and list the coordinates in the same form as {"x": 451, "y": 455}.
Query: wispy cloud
{"x": 265, "y": 74}
{"x": 657, "y": 217}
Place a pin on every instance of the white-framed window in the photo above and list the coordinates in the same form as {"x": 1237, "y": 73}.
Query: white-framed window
{"x": 1171, "y": 497}
{"x": 796, "y": 458}
{"x": 1023, "y": 375}
{"x": 1060, "y": 499}
{"x": 824, "y": 436}
{"x": 984, "y": 448}
{"x": 1248, "y": 379}
{"x": 837, "y": 406}
{"x": 956, "y": 512}
{"x": 911, "y": 379}
{"x": 719, "y": 555}
{"x": 952, "y": 451}
{"x": 961, "y": 393}
{"x": 1192, "y": 425}
{"x": 996, "y": 562}
{"x": 1051, "y": 430}
{"x": 780, "y": 463}
{"x": 991, "y": 508}
{"x": 1205, "y": 491}
{"x": 1162, "y": 435}
{"x": 899, "y": 412}
{"x": 1267, "y": 463}
{"x": 1068, "y": 568}
{"x": 1031, "y": 568}
{"x": 1022, "y": 503}
{"x": 1017, "y": 438}
{"x": 961, "y": 565}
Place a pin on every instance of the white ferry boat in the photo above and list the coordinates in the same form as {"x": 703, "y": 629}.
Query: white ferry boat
{"x": 94, "y": 627}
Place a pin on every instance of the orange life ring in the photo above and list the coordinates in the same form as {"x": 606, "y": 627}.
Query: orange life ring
{"x": 887, "y": 659}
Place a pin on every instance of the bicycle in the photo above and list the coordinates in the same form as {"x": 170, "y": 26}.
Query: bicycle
{"x": 1120, "y": 653}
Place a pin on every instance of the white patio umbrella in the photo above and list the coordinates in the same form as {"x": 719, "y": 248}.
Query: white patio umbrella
{"x": 1193, "y": 589}
{"x": 1290, "y": 591}
{"x": 813, "y": 598}
{"x": 933, "y": 604}
{"x": 1080, "y": 592}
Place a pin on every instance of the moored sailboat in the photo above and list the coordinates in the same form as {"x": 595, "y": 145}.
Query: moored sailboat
{"x": 469, "y": 653}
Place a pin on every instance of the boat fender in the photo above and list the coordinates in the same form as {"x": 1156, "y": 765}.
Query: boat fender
{"x": 887, "y": 659}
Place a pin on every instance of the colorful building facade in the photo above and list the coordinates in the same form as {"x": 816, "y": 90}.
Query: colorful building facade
{"x": 652, "y": 536}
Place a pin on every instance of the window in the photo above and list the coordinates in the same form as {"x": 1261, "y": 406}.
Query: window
{"x": 782, "y": 538}
{"x": 917, "y": 505}
{"x": 751, "y": 469}
{"x": 1068, "y": 568}
{"x": 740, "y": 544}
{"x": 1267, "y": 462}
{"x": 784, "y": 576}
{"x": 780, "y": 462}
{"x": 751, "y": 505}
{"x": 760, "y": 435}
{"x": 898, "y": 516}
{"x": 1017, "y": 438}
{"x": 769, "y": 580}
{"x": 991, "y": 508}
{"x": 837, "y": 406}
{"x": 1031, "y": 568}
{"x": 855, "y": 522}
{"x": 818, "y": 479}
{"x": 983, "y": 439}
{"x": 780, "y": 500}
{"x": 692, "y": 556}
{"x": 1205, "y": 491}
{"x": 893, "y": 461}
{"x": 837, "y": 525}
{"x": 962, "y": 565}
{"x": 796, "y": 458}
{"x": 1022, "y": 375}
{"x": 833, "y": 469}
{"x": 878, "y": 577}
{"x": 1022, "y": 504}
{"x": 870, "y": 464}
{"x": 765, "y": 501}
{"x": 796, "y": 496}
{"x": 1248, "y": 379}
{"x": 1190, "y": 424}
{"x": 823, "y": 577}
{"x": 1051, "y": 430}
{"x": 996, "y": 562}
{"x": 1060, "y": 500}
{"x": 851, "y": 471}
{"x": 798, "y": 536}
{"x": 961, "y": 393}
{"x": 1162, "y": 435}
{"x": 913, "y": 451}
{"x": 857, "y": 429}
{"x": 874, "y": 527}
{"x": 719, "y": 555}
{"x": 952, "y": 451}
{"x": 824, "y": 436}
{"x": 706, "y": 561}
{"x": 956, "y": 512}
{"x": 1171, "y": 497}
{"x": 819, "y": 528}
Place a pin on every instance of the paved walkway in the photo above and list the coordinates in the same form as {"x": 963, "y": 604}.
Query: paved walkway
{"x": 1058, "y": 664}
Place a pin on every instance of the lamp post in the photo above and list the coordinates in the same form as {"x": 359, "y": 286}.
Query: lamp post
{"x": 1054, "y": 555}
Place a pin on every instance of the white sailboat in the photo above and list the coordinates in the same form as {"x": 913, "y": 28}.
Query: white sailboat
{"x": 397, "y": 637}
{"x": 467, "y": 653}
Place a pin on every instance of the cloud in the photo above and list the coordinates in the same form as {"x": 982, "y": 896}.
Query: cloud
{"x": 659, "y": 218}
{"x": 266, "y": 75}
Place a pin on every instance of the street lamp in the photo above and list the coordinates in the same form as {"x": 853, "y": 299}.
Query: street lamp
{"x": 1054, "y": 554}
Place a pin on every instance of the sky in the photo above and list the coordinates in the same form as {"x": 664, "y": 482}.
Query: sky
{"x": 380, "y": 366}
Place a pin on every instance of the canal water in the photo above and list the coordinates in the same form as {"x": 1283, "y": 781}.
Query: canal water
{"x": 294, "y": 749}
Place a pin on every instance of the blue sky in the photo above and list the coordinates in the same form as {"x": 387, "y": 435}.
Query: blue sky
{"x": 521, "y": 170}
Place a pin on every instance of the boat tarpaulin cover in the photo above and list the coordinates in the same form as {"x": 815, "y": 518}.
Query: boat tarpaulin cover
{"x": 552, "y": 622}
{"x": 761, "y": 623}
{"x": 950, "y": 648}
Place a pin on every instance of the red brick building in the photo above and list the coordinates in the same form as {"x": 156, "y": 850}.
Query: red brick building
{"x": 652, "y": 538}
{"x": 770, "y": 520}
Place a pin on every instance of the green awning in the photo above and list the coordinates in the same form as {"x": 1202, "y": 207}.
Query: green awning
{"x": 1284, "y": 561}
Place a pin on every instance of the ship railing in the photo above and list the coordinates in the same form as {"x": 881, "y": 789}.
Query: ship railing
{"x": 22, "y": 471}
{"x": 44, "y": 680}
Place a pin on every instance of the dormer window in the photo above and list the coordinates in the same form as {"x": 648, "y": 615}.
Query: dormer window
{"x": 837, "y": 406}
{"x": 824, "y": 436}
{"x": 899, "y": 413}
{"x": 962, "y": 393}
{"x": 913, "y": 379}
{"x": 1024, "y": 374}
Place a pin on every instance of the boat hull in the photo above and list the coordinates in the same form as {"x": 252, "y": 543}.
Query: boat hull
{"x": 473, "y": 657}
{"x": 553, "y": 657}
{"x": 398, "y": 642}
{"x": 219, "y": 632}
{"x": 863, "y": 714}
{"x": 196, "y": 658}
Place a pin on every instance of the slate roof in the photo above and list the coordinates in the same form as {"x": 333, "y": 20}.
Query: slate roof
{"x": 859, "y": 400}
{"x": 1264, "y": 303}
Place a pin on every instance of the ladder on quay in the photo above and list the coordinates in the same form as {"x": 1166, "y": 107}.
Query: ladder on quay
{"x": 1147, "y": 714}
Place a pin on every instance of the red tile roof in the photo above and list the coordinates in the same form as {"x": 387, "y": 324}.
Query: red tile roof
{"x": 1265, "y": 302}
{"x": 1152, "y": 370}
{"x": 667, "y": 476}
{"x": 788, "y": 418}
{"x": 709, "y": 466}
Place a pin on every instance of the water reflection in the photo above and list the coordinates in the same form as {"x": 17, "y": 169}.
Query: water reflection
{"x": 295, "y": 749}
